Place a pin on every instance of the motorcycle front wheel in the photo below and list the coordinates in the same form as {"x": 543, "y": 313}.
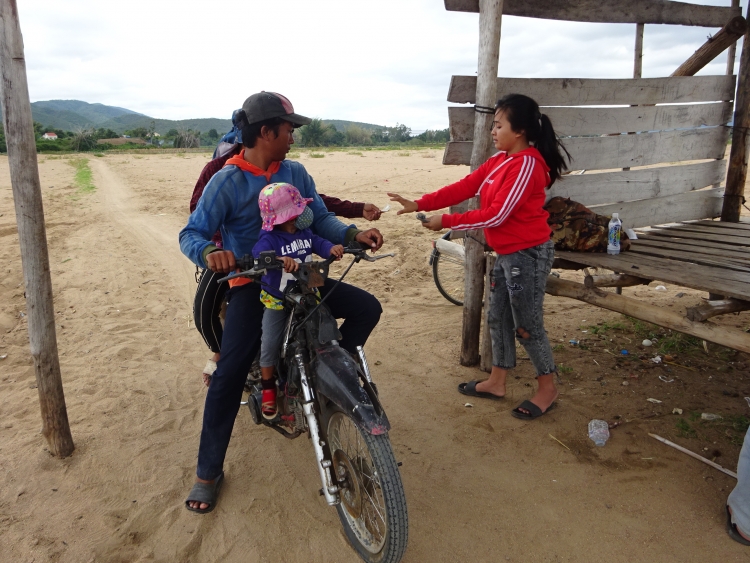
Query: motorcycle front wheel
{"x": 373, "y": 504}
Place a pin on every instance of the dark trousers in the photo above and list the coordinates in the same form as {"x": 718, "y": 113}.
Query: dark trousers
{"x": 239, "y": 346}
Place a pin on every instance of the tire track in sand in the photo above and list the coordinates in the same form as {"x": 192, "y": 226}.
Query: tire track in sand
{"x": 156, "y": 235}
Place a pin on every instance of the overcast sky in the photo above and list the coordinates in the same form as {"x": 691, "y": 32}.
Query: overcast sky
{"x": 381, "y": 61}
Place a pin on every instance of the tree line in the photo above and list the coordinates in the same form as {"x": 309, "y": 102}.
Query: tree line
{"x": 316, "y": 134}
{"x": 319, "y": 134}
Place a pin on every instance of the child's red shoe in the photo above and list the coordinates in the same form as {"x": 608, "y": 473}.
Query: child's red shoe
{"x": 268, "y": 405}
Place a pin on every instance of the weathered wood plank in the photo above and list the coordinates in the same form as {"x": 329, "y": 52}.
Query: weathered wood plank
{"x": 702, "y": 278}
{"x": 708, "y": 249}
{"x": 689, "y": 257}
{"x": 733, "y": 338}
{"x": 645, "y": 212}
{"x": 706, "y": 230}
{"x": 643, "y": 183}
{"x": 577, "y": 121}
{"x": 609, "y": 11}
{"x": 724, "y": 239}
{"x": 603, "y": 91}
{"x": 621, "y": 151}
{"x": 724, "y": 224}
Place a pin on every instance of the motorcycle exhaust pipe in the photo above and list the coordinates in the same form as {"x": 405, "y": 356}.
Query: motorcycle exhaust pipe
{"x": 324, "y": 465}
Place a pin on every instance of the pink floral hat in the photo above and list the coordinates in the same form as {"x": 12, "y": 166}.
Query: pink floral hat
{"x": 279, "y": 203}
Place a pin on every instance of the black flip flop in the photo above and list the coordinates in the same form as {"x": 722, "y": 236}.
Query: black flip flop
{"x": 206, "y": 493}
{"x": 534, "y": 411}
{"x": 470, "y": 389}
{"x": 733, "y": 532}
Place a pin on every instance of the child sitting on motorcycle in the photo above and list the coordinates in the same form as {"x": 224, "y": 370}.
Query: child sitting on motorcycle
{"x": 286, "y": 231}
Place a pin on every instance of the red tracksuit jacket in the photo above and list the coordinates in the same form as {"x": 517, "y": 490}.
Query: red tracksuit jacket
{"x": 511, "y": 190}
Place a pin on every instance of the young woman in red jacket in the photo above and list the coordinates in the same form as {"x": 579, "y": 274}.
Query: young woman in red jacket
{"x": 511, "y": 186}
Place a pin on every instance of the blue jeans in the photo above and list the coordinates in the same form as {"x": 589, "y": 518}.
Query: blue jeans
{"x": 516, "y": 307}
{"x": 239, "y": 346}
{"x": 739, "y": 498}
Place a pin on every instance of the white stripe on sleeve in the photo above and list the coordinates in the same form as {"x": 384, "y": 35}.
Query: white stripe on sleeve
{"x": 522, "y": 181}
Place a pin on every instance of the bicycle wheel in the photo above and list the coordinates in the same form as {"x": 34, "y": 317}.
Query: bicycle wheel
{"x": 373, "y": 504}
{"x": 448, "y": 273}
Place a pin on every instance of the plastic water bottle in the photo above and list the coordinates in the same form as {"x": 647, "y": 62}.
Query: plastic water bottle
{"x": 599, "y": 431}
{"x": 613, "y": 238}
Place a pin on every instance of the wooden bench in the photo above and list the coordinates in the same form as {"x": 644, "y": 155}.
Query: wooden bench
{"x": 664, "y": 179}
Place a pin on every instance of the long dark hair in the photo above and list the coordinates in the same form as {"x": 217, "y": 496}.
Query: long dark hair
{"x": 524, "y": 116}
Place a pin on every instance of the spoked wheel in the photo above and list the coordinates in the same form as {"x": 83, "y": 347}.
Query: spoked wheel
{"x": 448, "y": 273}
{"x": 373, "y": 504}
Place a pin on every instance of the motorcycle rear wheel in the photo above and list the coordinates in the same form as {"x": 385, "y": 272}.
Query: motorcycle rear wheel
{"x": 373, "y": 504}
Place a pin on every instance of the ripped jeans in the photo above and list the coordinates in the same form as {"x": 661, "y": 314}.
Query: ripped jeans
{"x": 516, "y": 307}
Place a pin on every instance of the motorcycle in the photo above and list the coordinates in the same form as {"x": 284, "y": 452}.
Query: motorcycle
{"x": 330, "y": 395}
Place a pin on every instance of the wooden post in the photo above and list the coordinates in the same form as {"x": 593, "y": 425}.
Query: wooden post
{"x": 738, "y": 155}
{"x": 486, "y": 349}
{"x": 490, "y": 18}
{"x": 27, "y": 196}
{"x": 729, "y": 34}
{"x": 732, "y": 51}
{"x": 638, "y": 65}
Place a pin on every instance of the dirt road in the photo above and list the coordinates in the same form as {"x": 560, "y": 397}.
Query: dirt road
{"x": 480, "y": 485}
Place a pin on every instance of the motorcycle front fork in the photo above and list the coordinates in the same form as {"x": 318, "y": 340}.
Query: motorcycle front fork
{"x": 330, "y": 490}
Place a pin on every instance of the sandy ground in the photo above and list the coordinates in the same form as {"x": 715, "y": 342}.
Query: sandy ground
{"x": 480, "y": 485}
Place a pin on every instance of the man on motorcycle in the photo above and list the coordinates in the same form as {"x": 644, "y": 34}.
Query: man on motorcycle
{"x": 230, "y": 204}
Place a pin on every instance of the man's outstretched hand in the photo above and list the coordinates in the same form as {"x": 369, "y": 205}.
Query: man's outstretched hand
{"x": 221, "y": 261}
{"x": 370, "y": 238}
{"x": 371, "y": 212}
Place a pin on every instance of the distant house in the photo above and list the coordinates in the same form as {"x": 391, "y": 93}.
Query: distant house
{"x": 50, "y": 136}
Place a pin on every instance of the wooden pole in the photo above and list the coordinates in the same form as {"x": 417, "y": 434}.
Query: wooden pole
{"x": 729, "y": 337}
{"x": 490, "y": 19}
{"x": 693, "y": 455}
{"x": 486, "y": 349}
{"x": 638, "y": 65}
{"x": 729, "y": 34}
{"x": 732, "y": 51}
{"x": 738, "y": 155}
{"x": 27, "y": 196}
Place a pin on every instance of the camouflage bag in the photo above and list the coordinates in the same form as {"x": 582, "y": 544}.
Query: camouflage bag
{"x": 575, "y": 227}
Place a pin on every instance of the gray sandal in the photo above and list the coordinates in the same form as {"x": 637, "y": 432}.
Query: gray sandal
{"x": 206, "y": 493}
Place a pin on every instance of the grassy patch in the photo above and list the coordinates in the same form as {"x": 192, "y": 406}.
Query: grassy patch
{"x": 294, "y": 155}
{"x": 98, "y": 154}
{"x": 403, "y": 154}
{"x": 684, "y": 429}
{"x": 558, "y": 347}
{"x": 564, "y": 369}
{"x": 604, "y": 328}
{"x": 317, "y": 155}
{"x": 355, "y": 153}
{"x": 83, "y": 177}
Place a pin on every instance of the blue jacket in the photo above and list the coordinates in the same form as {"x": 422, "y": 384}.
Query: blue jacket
{"x": 230, "y": 203}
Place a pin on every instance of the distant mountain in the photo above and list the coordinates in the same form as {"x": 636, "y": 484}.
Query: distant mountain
{"x": 342, "y": 125}
{"x": 70, "y": 115}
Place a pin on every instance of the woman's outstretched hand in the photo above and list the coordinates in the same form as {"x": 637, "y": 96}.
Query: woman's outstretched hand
{"x": 408, "y": 205}
{"x": 434, "y": 223}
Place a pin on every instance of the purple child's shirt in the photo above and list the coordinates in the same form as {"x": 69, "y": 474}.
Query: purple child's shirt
{"x": 300, "y": 246}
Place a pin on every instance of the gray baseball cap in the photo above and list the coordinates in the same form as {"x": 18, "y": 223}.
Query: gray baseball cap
{"x": 267, "y": 105}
